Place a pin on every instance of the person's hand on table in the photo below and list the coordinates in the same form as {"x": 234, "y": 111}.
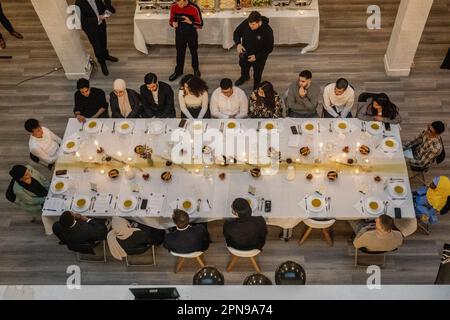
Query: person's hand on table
{"x": 252, "y": 58}
{"x": 80, "y": 118}
{"x": 187, "y": 20}
{"x": 77, "y": 216}
{"x": 175, "y": 24}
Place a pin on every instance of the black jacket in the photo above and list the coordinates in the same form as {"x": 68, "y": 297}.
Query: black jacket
{"x": 258, "y": 42}
{"x": 135, "y": 103}
{"x": 89, "y": 106}
{"x": 89, "y": 20}
{"x": 82, "y": 233}
{"x": 165, "y": 107}
{"x": 194, "y": 238}
{"x": 246, "y": 234}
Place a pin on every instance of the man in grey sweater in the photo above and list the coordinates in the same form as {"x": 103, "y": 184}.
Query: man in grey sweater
{"x": 303, "y": 97}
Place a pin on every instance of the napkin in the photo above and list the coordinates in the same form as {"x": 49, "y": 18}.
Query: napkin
{"x": 54, "y": 205}
{"x": 359, "y": 206}
{"x": 155, "y": 203}
{"x": 102, "y": 203}
{"x": 294, "y": 141}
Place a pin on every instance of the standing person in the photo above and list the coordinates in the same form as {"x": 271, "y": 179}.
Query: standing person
{"x": 303, "y": 97}
{"x": 109, "y": 6}
{"x": 186, "y": 18}
{"x": 93, "y": 16}
{"x": 254, "y": 41}
{"x": 446, "y": 62}
{"x": 157, "y": 98}
{"x": 89, "y": 102}
{"x": 8, "y": 26}
{"x": 338, "y": 99}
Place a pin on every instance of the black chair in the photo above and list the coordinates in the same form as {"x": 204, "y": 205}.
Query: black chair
{"x": 208, "y": 276}
{"x": 38, "y": 161}
{"x": 257, "y": 279}
{"x": 88, "y": 249}
{"x": 138, "y": 251}
{"x": 371, "y": 253}
{"x": 443, "y": 276}
{"x": 426, "y": 227}
{"x": 290, "y": 273}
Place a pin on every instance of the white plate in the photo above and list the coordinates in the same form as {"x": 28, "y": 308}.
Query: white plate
{"x": 126, "y": 130}
{"x": 121, "y": 202}
{"x": 189, "y": 210}
{"x": 267, "y": 123}
{"x": 372, "y": 130}
{"x": 76, "y": 208}
{"x": 197, "y": 125}
{"x": 306, "y": 124}
{"x": 76, "y": 146}
{"x": 309, "y": 201}
{"x": 345, "y": 126}
{"x": 63, "y": 189}
{"x": 93, "y": 126}
{"x": 387, "y": 148}
{"x": 373, "y": 211}
{"x": 252, "y": 201}
{"x": 393, "y": 193}
{"x": 156, "y": 127}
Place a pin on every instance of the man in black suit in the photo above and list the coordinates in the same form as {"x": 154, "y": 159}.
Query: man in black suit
{"x": 186, "y": 238}
{"x": 109, "y": 6}
{"x": 73, "y": 229}
{"x": 244, "y": 232}
{"x": 156, "y": 98}
{"x": 93, "y": 23}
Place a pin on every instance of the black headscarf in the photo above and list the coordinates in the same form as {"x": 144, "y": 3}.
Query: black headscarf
{"x": 17, "y": 173}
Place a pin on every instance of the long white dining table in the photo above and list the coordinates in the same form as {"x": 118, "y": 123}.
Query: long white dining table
{"x": 211, "y": 193}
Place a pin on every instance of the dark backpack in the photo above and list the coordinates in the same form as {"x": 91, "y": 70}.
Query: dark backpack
{"x": 10, "y": 192}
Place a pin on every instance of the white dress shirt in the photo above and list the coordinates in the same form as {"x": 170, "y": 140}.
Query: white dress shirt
{"x": 155, "y": 95}
{"x": 45, "y": 148}
{"x": 223, "y": 107}
{"x": 342, "y": 103}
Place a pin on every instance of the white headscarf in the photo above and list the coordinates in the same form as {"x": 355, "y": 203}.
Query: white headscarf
{"x": 121, "y": 229}
{"x": 124, "y": 103}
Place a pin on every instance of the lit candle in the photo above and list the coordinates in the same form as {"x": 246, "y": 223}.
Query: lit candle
{"x": 245, "y": 160}
{"x": 321, "y": 145}
{"x": 358, "y": 144}
{"x": 119, "y": 154}
{"x": 357, "y": 171}
{"x": 148, "y": 14}
{"x": 96, "y": 143}
{"x": 367, "y": 160}
{"x": 343, "y": 155}
{"x": 197, "y": 170}
{"x": 298, "y": 159}
{"x": 337, "y": 160}
{"x": 244, "y": 13}
{"x": 301, "y": 12}
{"x": 78, "y": 155}
{"x": 102, "y": 171}
{"x": 91, "y": 157}
{"x": 129, "y": 159}
{"x": 317, "y": 171}
{"x": 207, "y": 13}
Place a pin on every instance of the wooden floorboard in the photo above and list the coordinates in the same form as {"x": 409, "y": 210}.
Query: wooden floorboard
{"x": 347, "y": 48}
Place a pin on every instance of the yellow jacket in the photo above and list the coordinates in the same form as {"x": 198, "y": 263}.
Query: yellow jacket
{"x": 438, "y": 197}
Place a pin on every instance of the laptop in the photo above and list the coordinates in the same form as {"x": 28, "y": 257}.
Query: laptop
{"x": 155, "y": 293}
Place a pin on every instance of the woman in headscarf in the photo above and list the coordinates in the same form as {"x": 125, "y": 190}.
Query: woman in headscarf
{"x": 30, "y": 188}
{"x": 125, "y": 103}
{"x": 430, "y": 200}
{"x": 125, "y": 235}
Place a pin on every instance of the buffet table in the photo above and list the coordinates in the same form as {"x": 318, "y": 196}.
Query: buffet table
{"x": 289, "y": 27}
{"x": 210, "y": 189}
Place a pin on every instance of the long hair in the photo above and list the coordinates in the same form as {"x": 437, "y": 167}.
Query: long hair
{"x": 269, "y": 92}
{"x": 196, "y": 85}
{"x": 390, "y": 110}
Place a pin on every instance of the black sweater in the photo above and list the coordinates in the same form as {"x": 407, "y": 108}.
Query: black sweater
{"x": 258, "y": 42}
{"x": 245, "y": 234}
{"x": 89, "y": 106}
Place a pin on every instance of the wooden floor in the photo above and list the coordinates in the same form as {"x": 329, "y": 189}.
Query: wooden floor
{"x": 346, "y": 49}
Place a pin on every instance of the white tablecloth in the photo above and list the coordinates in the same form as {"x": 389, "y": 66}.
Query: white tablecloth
{"x": 286, "y": 196}
{"x": 289, "y": 27}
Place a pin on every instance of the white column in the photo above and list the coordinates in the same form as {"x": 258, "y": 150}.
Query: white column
{"x": 411, "y": 18}
{"x": 54, "y": 16}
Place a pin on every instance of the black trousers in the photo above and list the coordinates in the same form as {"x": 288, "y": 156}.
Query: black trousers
{"x": 99, "y": 41}
{"x": 4, "y": 20}
{"x": 258, "y": 68}
{"x": 183, "y": 40}
{"x": 446, "y": 63}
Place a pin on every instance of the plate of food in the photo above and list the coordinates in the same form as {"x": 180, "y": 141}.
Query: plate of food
{"x": 309, "y": 127}
{"x": 269, "y": 125}
{"x": 252, "y": 201}
{"x": 127, "y": 203}
{"x": 71, "y": 146}
{"x": 125, "y": 127}
{"x": 397, "y": 190}
{"x": 305, "y": 151}
{"x": 231, "y": 125}
{"x": 255, "y": 172}
{"x": 332, "y": 175}
{"x": 341, "y": 126}
{"x": 315, "y": 203}
{"x": 81, "y": 203}
{"x": 156, "y": 127}
{"x": 364, "y": 150}
{"x": 92, "y": 126}
{"x": 187, "y": 204}
{"x": 389, "y": 145}
{"x": 374, "y": 127}
{"x": 59, "y": 186}
{"x": 166, "y": 176}
{"x": 374, "y": 206}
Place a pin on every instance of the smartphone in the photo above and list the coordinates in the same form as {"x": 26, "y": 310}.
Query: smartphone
{"x": 268, "y": 206}
{"x": 144, "y": 204}
{"x": 182, "y": 123}
{"x": 398, "y": 213}
{"x": 294, "y": 130}
{"x": 387, "y": 126}
{"x": 61, "y": 172}
{"x": 107, "y": 13}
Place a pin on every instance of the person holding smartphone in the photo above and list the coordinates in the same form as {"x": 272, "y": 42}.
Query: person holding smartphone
{"x": 185, "y": 18}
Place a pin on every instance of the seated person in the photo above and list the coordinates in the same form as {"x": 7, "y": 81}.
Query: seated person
{"x": 193, "y": 98}
{"x": 157, "y": 98}
{"x": 125, "y": 103}
{"x": 421, "y": 152}
{"x": 228, "y": 102}
{"x": 73, "y": 229}
{"x": 338, "y": 99}
{"x": 30, "y": 188}
{"x": 265, "y": 102}
{"x": 43, "y": 143}
{"x": 303, "y": 97}
{"x": 89, "y": 102}
{"x": 186, "y": 238}
{"x": 377, "y": 107}
{"x": 244, "y": 232}
{"x": 377, "y": 236}
{"x": 429, "y": 201}
{"x": 125, "y": 235}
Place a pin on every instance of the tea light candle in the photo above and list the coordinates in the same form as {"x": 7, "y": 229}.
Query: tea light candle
{"x": 367, "y": 161}
{"x": 96, "y": 143}
{"x": 102, "y": 171}
{"x": 148, "y": 14}
{"x": 119, "y": 154}
{"x": 91, "y": 158}
{"x": 207, "y": 13}
{"x": 129, "y": 159}
{"x": 317, "y": 171}
{"x": 357, "y": 171}
{"x": 297, "y": 160}
{"x": 197, "y": 170}
{"x": 301, "y": 12}
{"x": 321, "y": 145}
{"x": 343, "y": 155}
{"x": 358, "y": 145}
{"x": 244, "y": 13}
{"x": 78, "y": 155}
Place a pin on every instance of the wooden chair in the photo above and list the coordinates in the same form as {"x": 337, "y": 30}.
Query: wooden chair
{"x": 236, "y": 254}
{"x": 371, "y": 253}
{"x": 323, "y": 225}
{"x": 85, "y": 252}
{"x": 140, "y": 251}
{"x": 197, "y": 255}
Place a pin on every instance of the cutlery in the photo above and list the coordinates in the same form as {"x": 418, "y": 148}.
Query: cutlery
{"x": 177, "y": 202}
{"x": 362, "y": 206}
{"x": 262, "y": 204}
{"x": 259, "y": 126}
{"x": 101, "y": 129}
{"x": 386, "y": 204}
{"x": 209, "y": 205}
{"x": 330, "y": 129}
{"x": 221, "y": 127}
{"x": 362, "y": 192}
{"x": 206, "y": 127}
{"x": 114, "y": 127}
{"x": 363, "y": 126}
{"x": 165, "y": 129}
{"x": 319, "y": 193}
{"x": 50, "y": 210}
{"x": 398, "y": 198}
{"x": 299, "y": 129}
{"x": 199, "y": 201}
{"x": 82, "y": 126}
{"x": 318, "y": 127}
{"x": 306, "y": 205}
